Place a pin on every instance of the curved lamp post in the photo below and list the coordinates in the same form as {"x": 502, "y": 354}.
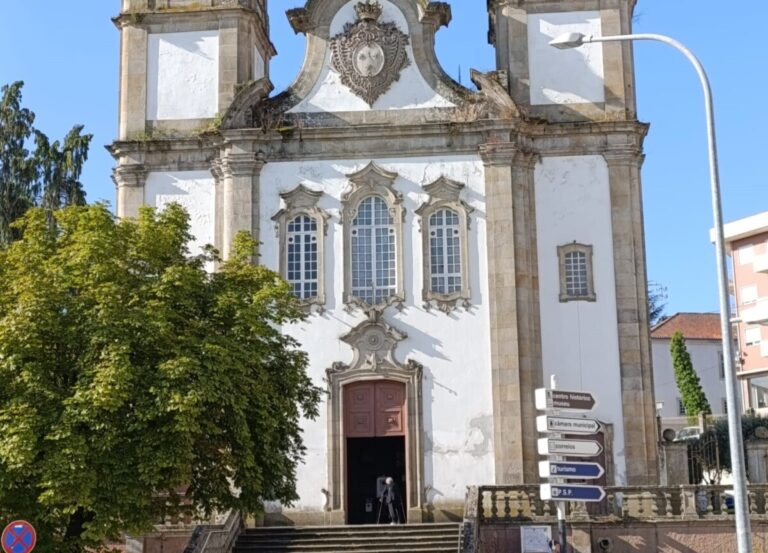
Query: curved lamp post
{"x": 743, "y": 533}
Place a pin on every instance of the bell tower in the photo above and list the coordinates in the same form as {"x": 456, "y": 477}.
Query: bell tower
{"x": 181, "y": 61}
{"x": 595, "y": 81}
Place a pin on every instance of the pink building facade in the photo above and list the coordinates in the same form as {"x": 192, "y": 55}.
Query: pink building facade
{"x": 747, "y": 243}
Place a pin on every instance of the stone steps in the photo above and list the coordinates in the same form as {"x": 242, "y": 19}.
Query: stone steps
{"x": 405, "y": 538}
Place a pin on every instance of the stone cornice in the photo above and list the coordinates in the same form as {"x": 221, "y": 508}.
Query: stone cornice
{"x": 132, "y": 176}
{"x": 437, "y": 14}
{"x": 146, "y": 17}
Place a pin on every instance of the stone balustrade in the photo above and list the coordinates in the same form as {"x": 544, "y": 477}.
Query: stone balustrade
{"x": 522, "y": 504}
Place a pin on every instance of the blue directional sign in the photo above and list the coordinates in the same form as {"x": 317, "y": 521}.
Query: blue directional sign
{"x": 566, "y": 469}
{"x": 571, "y": 492}
{"x": 18, "y": 537}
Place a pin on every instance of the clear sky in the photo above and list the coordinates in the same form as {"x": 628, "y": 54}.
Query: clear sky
{"x": 67, "y": 54}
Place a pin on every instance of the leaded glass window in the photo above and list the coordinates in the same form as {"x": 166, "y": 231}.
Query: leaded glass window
{"x": 374, "y": 252}
{"x": 445, "y": 252}
{"x": 301, "y": 257}
{"x": 576, "y": 272}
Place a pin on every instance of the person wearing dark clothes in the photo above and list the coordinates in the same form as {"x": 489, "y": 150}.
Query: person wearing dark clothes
{"x": 391, "y": 498}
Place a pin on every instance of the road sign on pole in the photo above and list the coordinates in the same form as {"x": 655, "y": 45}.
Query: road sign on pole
{"x": 563, "y": 399}
{"x": 18, "y": 537}
{"x": 565, "y": 425}
{"x": 569, "y": 448}
{"x": 570, "y": 469}
{"x": 571, "y": 492}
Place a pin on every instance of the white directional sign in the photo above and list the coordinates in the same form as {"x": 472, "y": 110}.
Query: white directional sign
{"x": 564, "y": 425}
{"x": 569, "y": 448}
{"x": 570, "y": 469}
{"x": 571, "y": 492}
{"x": 563, "y": 399}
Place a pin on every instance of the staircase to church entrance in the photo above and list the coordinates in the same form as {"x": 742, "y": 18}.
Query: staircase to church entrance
{"x": 405, "y": 538}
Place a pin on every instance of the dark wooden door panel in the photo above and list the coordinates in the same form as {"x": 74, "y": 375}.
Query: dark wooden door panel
{"x": 374, "y": 409}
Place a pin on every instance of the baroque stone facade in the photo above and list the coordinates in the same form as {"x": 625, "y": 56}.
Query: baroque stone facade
{"x": 381, "y": 188}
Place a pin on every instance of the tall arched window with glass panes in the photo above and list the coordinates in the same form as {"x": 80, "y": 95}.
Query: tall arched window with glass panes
{"x": 445, "y": 252}
{"x": 302, "y": 257}
{"x": 374, "y": 252}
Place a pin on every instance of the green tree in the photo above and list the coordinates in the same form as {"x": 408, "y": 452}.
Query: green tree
{"x": 48, "y": 177}
{"x": 688, "y": 383}
{"x": 657, "y": 302}
{"x": 130, "y": 374}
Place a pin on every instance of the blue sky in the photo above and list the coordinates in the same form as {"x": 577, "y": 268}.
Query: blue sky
{"x": 67, "y": 54}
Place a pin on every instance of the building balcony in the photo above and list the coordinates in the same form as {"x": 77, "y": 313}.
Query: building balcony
{"x": 756, "y": 313}
{"x": 760, "y": 264}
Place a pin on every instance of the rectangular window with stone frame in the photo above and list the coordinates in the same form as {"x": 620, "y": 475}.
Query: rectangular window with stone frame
{"x": 575, "y": 266}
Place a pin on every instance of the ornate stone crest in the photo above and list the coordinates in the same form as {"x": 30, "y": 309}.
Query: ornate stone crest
{"x": 369, "y": 55}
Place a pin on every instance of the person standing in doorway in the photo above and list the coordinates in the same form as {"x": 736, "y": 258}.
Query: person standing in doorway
{"x": 391, "y": 498}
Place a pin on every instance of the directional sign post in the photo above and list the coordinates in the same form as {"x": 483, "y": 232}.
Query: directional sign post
{"x": 561, "y": 399}
{"x": 569, "y": 448}
{"x": 18, "y": 537}
{"x": 572, "y": 492}
{"x": 547, "y": 423}
{"x": 570, "y": 469}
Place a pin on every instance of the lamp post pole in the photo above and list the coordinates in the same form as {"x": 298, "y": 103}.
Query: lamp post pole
{"x": 743, "y": 533}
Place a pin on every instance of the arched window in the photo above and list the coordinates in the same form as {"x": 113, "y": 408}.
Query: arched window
{"x": 576, "y": 281}
{"x": 300, "y": 229}
{"x": 445, "y": 252}
{"x": 301, "y": 257}
{"x": 445, "y": 224}
{"x": 372, "y": 218}
{"x": 374, "y": 252}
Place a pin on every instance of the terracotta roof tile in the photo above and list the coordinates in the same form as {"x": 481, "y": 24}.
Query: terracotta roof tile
{"x": 694, "y": 326}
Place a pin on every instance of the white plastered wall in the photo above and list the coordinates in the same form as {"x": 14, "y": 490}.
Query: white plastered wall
{"x": 183, "y": 75}
{"x": 192, "y": 190}
{"x": 454, "y": 348}
{"x": 580, "y": 342}
{"x": 410, "y": 91}
{"x": 571, "y": 76}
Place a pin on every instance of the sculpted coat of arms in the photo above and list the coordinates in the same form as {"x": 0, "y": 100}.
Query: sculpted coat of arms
{"x": 369, "y": 55}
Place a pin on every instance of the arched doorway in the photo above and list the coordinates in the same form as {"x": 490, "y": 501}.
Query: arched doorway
{"x": 375, "y": 432}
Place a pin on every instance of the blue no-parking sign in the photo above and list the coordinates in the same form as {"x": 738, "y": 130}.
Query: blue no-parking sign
{"x": 18, "y": 537}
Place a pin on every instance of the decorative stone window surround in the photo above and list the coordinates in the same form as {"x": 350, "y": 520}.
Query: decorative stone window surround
{"x": 372, "y": 180}
{"x": 303, "y": 201}
{"x": 562, "y": 253}
{"x": 444, "y": 194}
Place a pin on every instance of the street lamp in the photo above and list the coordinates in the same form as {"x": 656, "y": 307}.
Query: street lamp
{"x": 743, "y": 534}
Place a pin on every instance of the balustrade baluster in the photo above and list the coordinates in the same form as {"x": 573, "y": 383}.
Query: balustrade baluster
{"x": 507, "y": 508}
{"x": 668, "y": 503}
{"x": 522, "y": 499}
{"x": 752, "y": 498}
{"x": 494, "y": 507}
{"x": 710, "y": 502}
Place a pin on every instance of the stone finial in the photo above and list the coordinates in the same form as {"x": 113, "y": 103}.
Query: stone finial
{"x": 369, "y": 10}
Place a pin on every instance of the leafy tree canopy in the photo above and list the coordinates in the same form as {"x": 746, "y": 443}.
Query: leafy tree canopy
{"x": 688, "y": 383}
{"x": 48, "y": 176}
{"x": 130, "y": 373}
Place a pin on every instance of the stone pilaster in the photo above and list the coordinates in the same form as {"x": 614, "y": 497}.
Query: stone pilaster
{"x": 514, "y": 309}
{"x": 640, "y": 440}
{"x": 237, "y": 209}
{"x": 130, "y": 181}
{"x": 133, "y": 81}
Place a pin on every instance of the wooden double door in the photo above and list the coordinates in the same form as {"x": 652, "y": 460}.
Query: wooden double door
{"x": 375, "y": 428}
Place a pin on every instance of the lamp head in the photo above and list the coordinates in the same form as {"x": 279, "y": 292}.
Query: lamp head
{"x": 569, "y": 40}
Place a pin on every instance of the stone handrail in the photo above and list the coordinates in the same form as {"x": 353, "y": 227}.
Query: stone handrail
{"x": 217, "y": 538}
{"x": 522, "y": 504}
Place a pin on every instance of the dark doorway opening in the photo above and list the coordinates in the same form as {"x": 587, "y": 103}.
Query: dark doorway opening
{"x": 369, "y": 459}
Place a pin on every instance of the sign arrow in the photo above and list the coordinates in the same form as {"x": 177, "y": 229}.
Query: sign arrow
{"x": 568, "y": 469}
{"x": 563, "y": 399}
{"x": 569, "y": 448}
{"x": 564, "y": 425}
{"x": 571, "y": 492}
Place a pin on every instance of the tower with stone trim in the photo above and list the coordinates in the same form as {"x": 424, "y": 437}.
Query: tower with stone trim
{"x": 452, "y": 248}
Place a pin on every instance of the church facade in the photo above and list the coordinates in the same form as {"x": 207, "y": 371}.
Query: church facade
{"x": 454, "y": 248}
